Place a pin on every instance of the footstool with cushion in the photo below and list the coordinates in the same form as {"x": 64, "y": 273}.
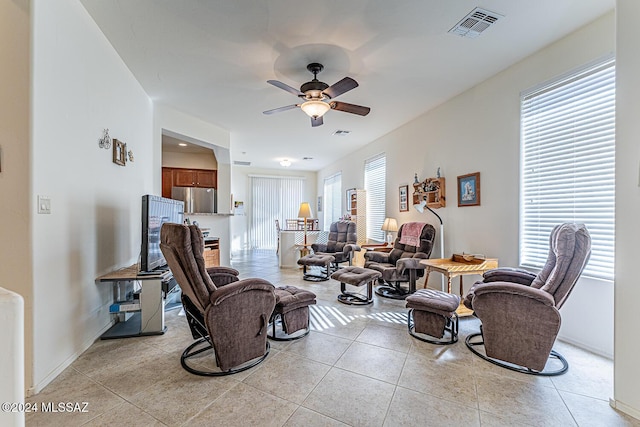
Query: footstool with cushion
{"x": 315, "y": 260}
{"x": 291, "y": 313}
{"x": 356, "y": 276}
{"x": 432, "y": 313}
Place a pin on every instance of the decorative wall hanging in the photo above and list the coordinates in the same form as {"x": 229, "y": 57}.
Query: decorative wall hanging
{"x": 119, "y": 152}
{"x": 105, "y": 141}
{"x": 403, "y": 198}
{"x": 469, "y": 189}
{"x": 130, "y": 154}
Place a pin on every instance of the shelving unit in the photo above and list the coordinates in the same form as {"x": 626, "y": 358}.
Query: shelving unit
{"x": 211, "y": 252}
{"x": 432, "y": 190}
{"x": 357, "y": 208}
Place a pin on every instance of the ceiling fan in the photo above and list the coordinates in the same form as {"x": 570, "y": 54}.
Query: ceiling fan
{"x": 318, "y": 96}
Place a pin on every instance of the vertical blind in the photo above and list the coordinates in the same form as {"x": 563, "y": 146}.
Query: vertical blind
{"x": 332, "y": 199}
{"x": 272, "y": 198}
{"x": 375, "y": 170}
{"x": 568, "y": 165}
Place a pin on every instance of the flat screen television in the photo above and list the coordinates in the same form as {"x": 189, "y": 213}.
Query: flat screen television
{"x": 156, "y": 211}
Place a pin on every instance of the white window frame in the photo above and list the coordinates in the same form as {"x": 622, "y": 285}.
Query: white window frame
{"x": 375, "y": 183}
{"x": 567, "y": 169}
{"x": 332, "y": 190}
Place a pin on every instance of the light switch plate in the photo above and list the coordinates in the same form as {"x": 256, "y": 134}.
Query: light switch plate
{"x": 44, "y": 205}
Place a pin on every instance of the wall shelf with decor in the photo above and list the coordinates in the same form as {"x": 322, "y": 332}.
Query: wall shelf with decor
{"x": 432, "y": 190}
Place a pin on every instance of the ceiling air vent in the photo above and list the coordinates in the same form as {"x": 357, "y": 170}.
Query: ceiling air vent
{"x": 342, "y": 132}
{"x": 239, "y": 163}
{"x": 472, "y": 25}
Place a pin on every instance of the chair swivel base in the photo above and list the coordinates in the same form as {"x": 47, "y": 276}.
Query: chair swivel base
{"x": 351, "y": 298}
{"x": 451, "y": 327}
{"x": 393, "y": 292}
{"x": 191, "y": 352}
{"x": 278, "y": 333}
{"x": 517, "y": 368}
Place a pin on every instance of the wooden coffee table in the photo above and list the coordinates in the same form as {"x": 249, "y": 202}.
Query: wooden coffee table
{"x": 452, "y": 269}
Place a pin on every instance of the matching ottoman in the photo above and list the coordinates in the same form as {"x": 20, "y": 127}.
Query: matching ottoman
{"x": 291, "y": 313}
{"x": 432, "y": 313}
{"x": 356, "y": 276}
{"x": 316, "y": 261}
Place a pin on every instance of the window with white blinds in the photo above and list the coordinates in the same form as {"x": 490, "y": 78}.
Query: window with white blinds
{"x": 568, "y": 165}
{"x": 332, "y": 199}
{"x": 375, "y": 172}
{"x": 272, "y": 198}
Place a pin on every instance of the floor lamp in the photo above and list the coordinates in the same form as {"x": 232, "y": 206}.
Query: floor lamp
{"x": 305, "y": 212}
{"x": 420, "y": 208}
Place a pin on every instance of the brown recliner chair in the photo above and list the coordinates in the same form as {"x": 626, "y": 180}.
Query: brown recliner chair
{"x": 231, "y": 319}
{"x": 341, "y": 244}
{"x": 402, "y": 264}
{"x": 520, "y": 311}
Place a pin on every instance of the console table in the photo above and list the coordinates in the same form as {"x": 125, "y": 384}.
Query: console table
{"x": 452, "y": 269}
{"x": 149, "y": 318}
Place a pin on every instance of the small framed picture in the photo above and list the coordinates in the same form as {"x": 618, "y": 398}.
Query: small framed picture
{"x": 319, "y": 204}
{"x": 119, "y": 152}
{"x": 469, "y": 189}
{"x": 403, "y": 198}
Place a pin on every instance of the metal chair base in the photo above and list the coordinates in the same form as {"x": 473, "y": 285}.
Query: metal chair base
{"x": 517, "y": 368}
{"x": 314, "y": 277}
{"x": 190, "y": 352}
{"x": 451, "y": 326}
{"x": 352, "y": 298}
{"x": 278, "y": 334}
{"x": 393, "y": 292}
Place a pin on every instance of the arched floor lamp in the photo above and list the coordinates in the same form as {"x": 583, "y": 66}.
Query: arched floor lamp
{"x": 420, "y": 208}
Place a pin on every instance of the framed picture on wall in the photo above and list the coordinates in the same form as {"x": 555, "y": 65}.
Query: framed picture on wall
{"x": 404, "y": 198}
{"x": 469, "y": 189}
{"x": 119, "y": 152}
{"x": 319, "y": 204}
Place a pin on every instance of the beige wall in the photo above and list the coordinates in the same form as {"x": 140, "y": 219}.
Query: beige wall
{"x": 172, "y": 159}
{"x": 15, "y": 174}
{"x": 627, "y": 346}
{"x": 478, "y": 131}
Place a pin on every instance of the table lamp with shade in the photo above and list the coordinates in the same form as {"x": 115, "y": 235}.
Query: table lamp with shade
{"x": 305, "y": 212}
{"x": 390, "y": 225}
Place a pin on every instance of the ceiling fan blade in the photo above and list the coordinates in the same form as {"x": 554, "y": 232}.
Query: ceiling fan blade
{"x": 286, "y": 87}
{"x": 279, "y": 109}
{"x": 341, "y": 87}
{"x": 316, "y": 122}
{"x": 350, "y": 108}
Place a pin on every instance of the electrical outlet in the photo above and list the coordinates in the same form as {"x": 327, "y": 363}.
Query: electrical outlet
{"x": 44, "y": 205}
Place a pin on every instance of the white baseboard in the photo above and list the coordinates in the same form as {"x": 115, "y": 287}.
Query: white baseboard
{"x": 633, "y": 412}
{"x": 37, "y": 388}
{"x": 583, "y": 346}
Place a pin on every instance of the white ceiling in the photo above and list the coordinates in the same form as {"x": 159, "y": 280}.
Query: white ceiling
{"x": 212, "y": 59}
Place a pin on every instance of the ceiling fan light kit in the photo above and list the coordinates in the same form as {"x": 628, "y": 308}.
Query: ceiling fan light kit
{"x": 315, "y": 95}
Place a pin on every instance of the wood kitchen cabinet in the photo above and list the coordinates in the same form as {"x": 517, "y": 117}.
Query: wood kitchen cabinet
{"x": 179, "y": 177}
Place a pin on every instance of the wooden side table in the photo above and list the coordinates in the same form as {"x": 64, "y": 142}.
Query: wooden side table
{"x": 452, "y": 269}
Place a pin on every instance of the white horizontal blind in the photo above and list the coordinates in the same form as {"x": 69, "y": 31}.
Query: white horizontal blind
{"x": 332, "y": 199}
{"x": 272, "y": 198}
{"x": 568, "y": 165}
{"x": 375, "y": 171}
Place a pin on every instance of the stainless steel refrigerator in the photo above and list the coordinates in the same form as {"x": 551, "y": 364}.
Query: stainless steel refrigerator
{"x": 196, "y": 200}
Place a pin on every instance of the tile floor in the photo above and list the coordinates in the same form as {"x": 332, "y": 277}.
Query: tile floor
{"x": 357, "y": 367}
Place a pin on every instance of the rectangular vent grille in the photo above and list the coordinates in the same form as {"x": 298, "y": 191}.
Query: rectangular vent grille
{"x": 239, "y": 163}
{"x": 477, "y": 21}
{"x": 342, "y": 132}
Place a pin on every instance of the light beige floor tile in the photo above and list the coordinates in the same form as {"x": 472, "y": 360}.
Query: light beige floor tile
{"x": 447, "y": 381}
{"x": 243, "y": 405}
{"x": 375, "y": 362}
{"x": 493, "y": 420}
{"x": 457, "y": 353}
{"x": 288, "y": 376}
{"x": 102, "y": 353}
{"x": 319, "y": 347}
{"x": 386, "y": 337}
{"x": 175, "y": 400}
{"x": 332, "y": 321}
{"x": 590, "y": 412}
{"x": 351, "y": 398}
{"x": 71, "y": 386}
{"x": 304, "y": 417}
{"x": 522, "y": 402}
{"x": 410, "y": 408}
{"x": 134, "y": 417}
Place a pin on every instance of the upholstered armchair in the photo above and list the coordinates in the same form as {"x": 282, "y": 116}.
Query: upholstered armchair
{"x": 231, "y": 319}
{"x": 519, "y": 310}
{"x": 341, "y": 243}
{"x": 402, "y": 264}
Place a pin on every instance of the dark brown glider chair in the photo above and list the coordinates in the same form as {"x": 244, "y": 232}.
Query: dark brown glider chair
{"x": 230, "y": 316}
{"x": 402, "y": 264}
{"x": 341, "y": 243}
{"x": 520, "y": 310}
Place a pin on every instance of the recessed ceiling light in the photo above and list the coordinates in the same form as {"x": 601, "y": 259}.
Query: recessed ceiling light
{"x": 182, "y": 144}
{"x": 286, "y": 163}
{"x": 307, "y": 158}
